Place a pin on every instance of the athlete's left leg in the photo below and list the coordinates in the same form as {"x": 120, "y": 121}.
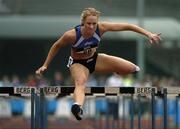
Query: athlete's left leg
{"x": 108, "y": 64}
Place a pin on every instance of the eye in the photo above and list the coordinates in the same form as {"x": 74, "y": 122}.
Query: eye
{"x": 91, "y": 23}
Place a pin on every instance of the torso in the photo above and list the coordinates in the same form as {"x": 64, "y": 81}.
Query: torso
{"x": 84, "y": 48}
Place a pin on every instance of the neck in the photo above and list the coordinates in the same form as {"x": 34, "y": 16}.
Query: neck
{"x": 85, "y": 33}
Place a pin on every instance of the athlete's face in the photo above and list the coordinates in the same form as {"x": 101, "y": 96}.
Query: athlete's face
{"x": 90, "y": 23}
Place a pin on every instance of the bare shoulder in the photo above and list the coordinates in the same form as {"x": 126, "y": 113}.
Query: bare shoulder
{"x": 101, "y": 24}
{"x": 70, "y": 35}
{"x": 112, "y": 26}
{"x": 104, "y": 23}
{"x": 104, "y": 26}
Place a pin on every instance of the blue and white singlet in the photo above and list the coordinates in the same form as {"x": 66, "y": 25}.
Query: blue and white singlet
{"x": 82, "y": 45}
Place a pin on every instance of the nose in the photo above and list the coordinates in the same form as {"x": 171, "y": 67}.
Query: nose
{"x": 91, "y": 26}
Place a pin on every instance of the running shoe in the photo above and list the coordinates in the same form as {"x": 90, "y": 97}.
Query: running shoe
{"x": 77, "y": 111}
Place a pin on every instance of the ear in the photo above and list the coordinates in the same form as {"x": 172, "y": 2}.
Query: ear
{"x": 82, "y": 24}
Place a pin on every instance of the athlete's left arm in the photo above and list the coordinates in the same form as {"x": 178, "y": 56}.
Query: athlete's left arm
{"x": 108, "y": 26}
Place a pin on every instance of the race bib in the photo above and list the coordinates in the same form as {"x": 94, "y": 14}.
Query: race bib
{"x": 87, "y": 51}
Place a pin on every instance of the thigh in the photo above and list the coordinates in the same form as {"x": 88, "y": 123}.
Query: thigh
{"x": 79, "y": 73}
{"x": 107, "y": 63}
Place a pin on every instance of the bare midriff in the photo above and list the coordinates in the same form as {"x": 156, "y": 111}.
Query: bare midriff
{"x": 82, "y": 55}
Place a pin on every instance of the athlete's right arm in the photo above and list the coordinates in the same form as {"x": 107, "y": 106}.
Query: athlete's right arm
{"x": 65, "y": 39}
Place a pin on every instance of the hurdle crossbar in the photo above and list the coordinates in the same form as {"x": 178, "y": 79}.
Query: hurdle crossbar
{"x": 67, "y": 90}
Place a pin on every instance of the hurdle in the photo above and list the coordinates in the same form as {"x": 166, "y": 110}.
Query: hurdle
{"x": 38, "y": 111}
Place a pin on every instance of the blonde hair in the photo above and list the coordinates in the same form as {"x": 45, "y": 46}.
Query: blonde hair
{"x": 89, "y": 12}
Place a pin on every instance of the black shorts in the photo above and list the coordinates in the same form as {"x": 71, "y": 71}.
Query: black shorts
{"x": 89, "y": 63}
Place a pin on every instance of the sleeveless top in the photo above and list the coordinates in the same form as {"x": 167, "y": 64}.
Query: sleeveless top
{"x": 82, "y": 44}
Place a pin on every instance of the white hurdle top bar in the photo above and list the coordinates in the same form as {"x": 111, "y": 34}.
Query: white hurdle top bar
{"x": 68, "y": 90}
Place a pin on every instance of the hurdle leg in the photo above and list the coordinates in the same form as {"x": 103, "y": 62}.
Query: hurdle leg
{"x": 139, "y": 111}
{"x": 118, "y": 100}
{"x": 43, "y": 110}
{"x": 132, "y": 112}
{"x": 165, "y": 108}
{"x": 41, "y": 107}
{"x": 107, "y": 113}
{"x": 153, "y": 126}
{"x": 45, "y": 114}
{"x": 123, "y": 115}
{"x": 97, "y": 118}
{"x": 37, "y": 113}
{"x": 177, "y": 111}
{"x": 32, "y": 108}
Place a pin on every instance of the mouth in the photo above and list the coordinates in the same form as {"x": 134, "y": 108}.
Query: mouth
{"x": 91, "y": 29}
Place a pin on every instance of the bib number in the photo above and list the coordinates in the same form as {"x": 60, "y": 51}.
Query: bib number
{"x": 87, "y": 51}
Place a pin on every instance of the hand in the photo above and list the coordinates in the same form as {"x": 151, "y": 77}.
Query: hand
{"x": 154, "y": 38}
{"x": 41, "y": 70}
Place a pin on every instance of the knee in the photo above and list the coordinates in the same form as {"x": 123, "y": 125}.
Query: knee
{"x": 80, "y": 85}
{"x": 136, "y": 69}
{"x": 129, "y": 70}
{"x": 80, "y": 82}
{"x": 132, "y": 70}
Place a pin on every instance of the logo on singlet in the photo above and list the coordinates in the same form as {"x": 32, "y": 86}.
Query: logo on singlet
{"x": 88, "y": 43}
{"x": 89, "y": 60}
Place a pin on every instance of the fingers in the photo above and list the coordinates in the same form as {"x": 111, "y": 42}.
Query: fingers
{"x": 41, "y": 70}
{"x": 159, "y": 34}
{"x": 159, "y": 37}
{"x": 155, "y": 38}
{"x": 150, "y": 41}
{"x": 38, "y": 72}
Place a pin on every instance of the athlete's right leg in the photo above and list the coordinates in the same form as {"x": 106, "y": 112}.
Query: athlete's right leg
{"x": 80, "y": 75}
